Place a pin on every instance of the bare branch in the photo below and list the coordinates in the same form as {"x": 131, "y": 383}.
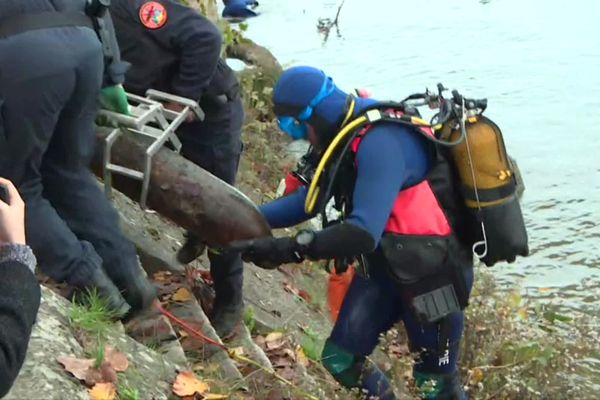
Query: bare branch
{"x": 324, "y": 25}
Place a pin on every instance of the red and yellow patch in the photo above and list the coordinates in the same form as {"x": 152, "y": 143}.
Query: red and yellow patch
{"x": 153, "y": 15}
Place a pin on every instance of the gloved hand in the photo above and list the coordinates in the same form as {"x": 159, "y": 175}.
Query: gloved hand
{"x": 268, "y": 252}
{"x": 113, "y": 98}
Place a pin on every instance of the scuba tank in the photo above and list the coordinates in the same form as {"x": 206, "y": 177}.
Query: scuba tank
{"x": 492, "y": 219}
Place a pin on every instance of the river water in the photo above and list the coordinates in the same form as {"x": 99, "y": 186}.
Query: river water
{"x": 537, "y": 62}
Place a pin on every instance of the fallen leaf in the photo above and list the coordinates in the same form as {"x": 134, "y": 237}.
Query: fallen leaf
{"x": 103, "y": 391}
{"x": 476, "y": 376}
{"x": 105, "y": 374}
{"x": 290, "y": 354}
{"x": 186, "y": 384}
{"x": 282, "y": 362}
{"x": 275, "y": 345}
{"x": 161, "y": 276}
{"x": 261, "y": 341}
{"x": 301, "y": 357}
{"x": 117, "y": 359}
{"x": 273, "y": 336}
{"x": 212, "y": 396}
{"x": 238, "y": 351}
{"x": 182, "y": 295}
{"x": 305, "y": 296}
{"x": 76, "y": 366}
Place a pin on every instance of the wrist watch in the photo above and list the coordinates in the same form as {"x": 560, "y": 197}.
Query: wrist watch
{"x": 304, "y": 240}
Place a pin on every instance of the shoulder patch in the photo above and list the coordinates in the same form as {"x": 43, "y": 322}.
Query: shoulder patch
{"x": 153, "y": 15}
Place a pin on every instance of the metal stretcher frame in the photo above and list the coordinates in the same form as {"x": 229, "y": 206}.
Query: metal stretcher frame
{"x": 145, "y": 111}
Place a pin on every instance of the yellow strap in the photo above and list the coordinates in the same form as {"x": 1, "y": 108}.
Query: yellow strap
{"x": 313, "y": 191}
{"x": 350, "y": 112}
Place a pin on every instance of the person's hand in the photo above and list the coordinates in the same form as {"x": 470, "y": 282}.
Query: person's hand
{"x": 267, "y": 252}
{"x": 12, "y": 216}
{"x": 178, "y": 108}
{"x": 114, "y": 98}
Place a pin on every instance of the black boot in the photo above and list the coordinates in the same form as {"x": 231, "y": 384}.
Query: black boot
{"x": 226, "y": 318}
{"x": 192, "y": 249}
{"x": 139, "y": 292}
{"x": 228, "y": 276}
{"x": 106, "y": 290}
{"x": 137, "y": 289}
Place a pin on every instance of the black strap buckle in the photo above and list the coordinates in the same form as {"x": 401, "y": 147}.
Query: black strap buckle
{"x": 436, "y": 304}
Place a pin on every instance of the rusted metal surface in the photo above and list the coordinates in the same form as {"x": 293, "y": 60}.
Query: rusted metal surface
{"x": 185, "y": 193}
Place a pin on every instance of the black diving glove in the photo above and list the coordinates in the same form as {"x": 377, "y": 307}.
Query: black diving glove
{"x": 341, "y": 240}
{"x": 268, "y": 252}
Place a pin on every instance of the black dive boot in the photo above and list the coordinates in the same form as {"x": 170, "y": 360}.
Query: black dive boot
{"x": 107, "y": 291}
{"x": 192, "y": 249}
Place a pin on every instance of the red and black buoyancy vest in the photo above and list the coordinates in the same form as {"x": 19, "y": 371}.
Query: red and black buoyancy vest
{"x": 416, "y": 210}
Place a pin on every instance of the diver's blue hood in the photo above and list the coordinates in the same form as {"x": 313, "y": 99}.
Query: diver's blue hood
{"x": 299, "y": 86}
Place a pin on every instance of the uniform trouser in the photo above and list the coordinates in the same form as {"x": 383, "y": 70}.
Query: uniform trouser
{"x": 373, "y": 305}
{"x": 49, "y": 86}
{"x": 215, "y": 145}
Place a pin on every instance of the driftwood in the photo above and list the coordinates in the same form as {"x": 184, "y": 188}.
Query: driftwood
{"x": 184, "y": 193}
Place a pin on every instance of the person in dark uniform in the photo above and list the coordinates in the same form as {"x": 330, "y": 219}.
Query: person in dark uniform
{"x": 173, "y": 48}
{"x": 51, "y": 75}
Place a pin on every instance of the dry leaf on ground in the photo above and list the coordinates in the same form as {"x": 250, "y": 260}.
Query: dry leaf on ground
{"x": 162, "y": 276}
{"x": 304, "y": 294}
{"x": 476, "y": 376}
{"x": 186, "y": 384}
{"x": 238, "y": 351}
{"x": 103, "y": 391}
{"x": 261, "y": 341}
{"x": 105, "y": 374}
{"x": 301, "y": 357}
{"x": 274, "y": 336}
{"x": 182, "y": 295}
{"x": 77, "y": 366}
{"x": 275, "y": 344}
{"x": 117, "y": 359}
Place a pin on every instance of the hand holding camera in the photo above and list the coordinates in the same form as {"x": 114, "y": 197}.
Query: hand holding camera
{"x": 12, "y": 214}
